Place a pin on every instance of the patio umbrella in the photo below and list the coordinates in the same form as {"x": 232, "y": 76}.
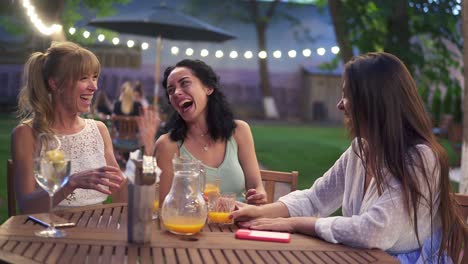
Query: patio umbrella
{"x": 162, "y": 22}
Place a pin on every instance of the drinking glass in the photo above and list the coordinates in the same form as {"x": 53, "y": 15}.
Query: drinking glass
{"x": 156, "y": 203}
{"x": 51, "y": 172}
{"x": 220, "y": 207}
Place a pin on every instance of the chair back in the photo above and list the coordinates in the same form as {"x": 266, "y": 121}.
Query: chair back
{"x": 276, "y": 183}
{"x": 124, "y": 128}
{"x": 11, "y": 189}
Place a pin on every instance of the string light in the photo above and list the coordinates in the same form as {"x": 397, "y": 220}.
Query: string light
{"x": 175, "y": 50}
{"x": 248, "y": 54}
{"x": 72, "y": 30}
{"x": 144, "y": 46}
{"x": 204, "y": 53}
{"x": 335, "y": 50}
{"x": 262, "y": 54}
{"x": 321, "y": 51}
{"x": 130, "y": 43}
{"x": 233, "y": 54}
{"x": 306, "y": 53}
{"x": 115, "y": 41}
{"x": 292, "y": 54}
{"x": 37, "y": 22}
{"x": 219, "y": 54}
{"x": 277, "y": 54}
{"x": 101, "y": 37}
{"x": 189, "y": 52}
{"x": 86, "y": 34}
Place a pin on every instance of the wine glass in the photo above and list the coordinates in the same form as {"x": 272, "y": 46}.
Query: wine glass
{"x": 51, "y": 171}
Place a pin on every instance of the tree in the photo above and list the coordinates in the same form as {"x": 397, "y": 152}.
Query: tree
{"x": 260, "y": 14}
{"x": 422, "y": 33}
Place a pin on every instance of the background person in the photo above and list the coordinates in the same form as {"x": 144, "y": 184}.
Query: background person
{"x": 58, "y": 86}
{"x": 392, "y": 183}
{"x": 127, "y": 105}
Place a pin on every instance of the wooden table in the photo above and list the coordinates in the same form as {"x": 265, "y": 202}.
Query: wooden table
{"x": 101, "y": 237}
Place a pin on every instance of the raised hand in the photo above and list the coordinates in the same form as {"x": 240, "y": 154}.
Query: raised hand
{"x": 96, "y": 178}
{"x": 148, "y": 124}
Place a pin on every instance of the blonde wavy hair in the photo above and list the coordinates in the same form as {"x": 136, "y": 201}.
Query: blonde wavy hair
{"x": 126, "y": 97}
{"x": 65, "y": 63}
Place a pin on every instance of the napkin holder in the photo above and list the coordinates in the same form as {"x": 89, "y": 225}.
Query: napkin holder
{"x": 141, "y": 195}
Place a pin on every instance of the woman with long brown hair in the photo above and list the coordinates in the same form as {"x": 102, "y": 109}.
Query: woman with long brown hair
{"x": 392, "y": 183}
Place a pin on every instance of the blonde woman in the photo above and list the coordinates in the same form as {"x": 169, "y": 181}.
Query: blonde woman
{"x": 58, "y": 86}
{"x": 127, "y": 104}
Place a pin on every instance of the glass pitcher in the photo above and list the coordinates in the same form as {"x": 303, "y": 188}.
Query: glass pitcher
{"x": 184, "y": 210}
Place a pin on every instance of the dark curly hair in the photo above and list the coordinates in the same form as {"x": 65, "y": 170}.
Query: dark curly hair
{"x": 219, "y": 117}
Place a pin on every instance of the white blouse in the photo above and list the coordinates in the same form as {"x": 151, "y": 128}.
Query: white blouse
{"x": 369, "y": 220}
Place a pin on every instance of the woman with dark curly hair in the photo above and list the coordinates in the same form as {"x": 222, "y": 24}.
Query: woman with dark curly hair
{"x": 203, "y": 127}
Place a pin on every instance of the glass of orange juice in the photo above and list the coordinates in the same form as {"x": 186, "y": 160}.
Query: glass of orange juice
{"x": 212, "y": 188}
{"x": 220, "y": 207}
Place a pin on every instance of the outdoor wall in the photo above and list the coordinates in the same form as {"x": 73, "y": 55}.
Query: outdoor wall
{"x": 321, "y": 95}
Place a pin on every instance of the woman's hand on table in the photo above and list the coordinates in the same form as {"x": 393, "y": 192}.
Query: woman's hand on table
{"x": 254, "y": 197}
{"x": 305, "y": 225}
{"x": 96, "y": 178}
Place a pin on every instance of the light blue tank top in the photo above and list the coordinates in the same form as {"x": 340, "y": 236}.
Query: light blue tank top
{"x": 230, "y": 171}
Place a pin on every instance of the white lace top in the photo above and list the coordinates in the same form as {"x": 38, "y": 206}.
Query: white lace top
{"x": 86, "y": 151}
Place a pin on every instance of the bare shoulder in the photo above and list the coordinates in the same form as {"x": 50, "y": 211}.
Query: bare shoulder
{"x": 22, "y": 131}
{"x": 101, "y": 126}
{"x": 165, "y": 144}
{"x": 242, "y": 129}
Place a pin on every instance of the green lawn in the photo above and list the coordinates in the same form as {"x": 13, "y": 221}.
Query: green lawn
{"x": 311, "y": 150}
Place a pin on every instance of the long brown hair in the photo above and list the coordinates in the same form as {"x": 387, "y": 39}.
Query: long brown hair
{"x": 386, "y": 110}
{"x": 65, "y": 62}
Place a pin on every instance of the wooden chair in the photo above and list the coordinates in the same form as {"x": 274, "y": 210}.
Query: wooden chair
{"x": 124, "y": 134}
{"x": 270, "y": 180}
{"x": 11, "y": 189}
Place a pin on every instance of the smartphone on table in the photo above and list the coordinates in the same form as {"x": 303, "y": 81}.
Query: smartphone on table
{"x": 44, "y": 220}
{"x": 263, "y": 235}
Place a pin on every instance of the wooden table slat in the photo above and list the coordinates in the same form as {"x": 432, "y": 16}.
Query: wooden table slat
{"x": 347, "y": 258}
{"x": 255, "y": 256}
{"x": 206, "y": 256}
{"x": 132, "y": 254}
{"x": 10, "y": 257}
{"x": 106, "y": 256}
{"x": 56, "y": 252}
{"x": 94, "y": 253}
{"x": 21, "y": 247}
{"x": 10, "y": 245}
{"x": 194, "y": 255}
{"x": 314, "y": 257}
{"x": 267, "y": 258}
{"x": 83, "y": 220}
{"x": 182, "y": 255}
{"x": 231, "y": 256}
{"x": 290, "y": 257}
{"x": 32, "y": 249}
{"x": 169, "y": 254}
{"x": 119, "y": 256}
{"x": 115, "y": 218}
{"x": 145, "y": 255}
{"x": 218, "y": 256}
{"x": 80, "y": 254}
{"x": 68, "y": 253}
{"x": 242, "y": 256}
{"x": 43, "y": 252}
{"x": 95, "y": 218}
{"x": 123, "y": 217}
{"x": 106, "y": 217}
{"x": 278, "y": 257}
{"x": 157, "y": 255}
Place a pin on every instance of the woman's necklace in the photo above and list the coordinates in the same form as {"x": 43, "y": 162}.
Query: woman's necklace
{"x": 205, "y": 145}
